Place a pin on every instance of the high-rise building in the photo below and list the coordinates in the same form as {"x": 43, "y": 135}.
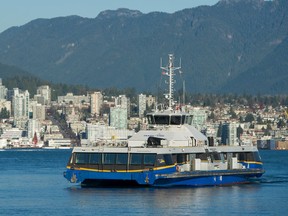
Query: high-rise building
{"x": 45, "y": 92}
{"x": 118, "y": 117}
{"x": 141, "y": 105}
{"x": 96, "y": 102}
{"x": 229, "y": 134}
{"x": 38, "y": 111}
{"x": 34, "y": 126}
{"x": 20, "y": 104}
{"x": 3, "y": 91}
{"x": 199, "y": 117}
{"x": 123, "y": 102}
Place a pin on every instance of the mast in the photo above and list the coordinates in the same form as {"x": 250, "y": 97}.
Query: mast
{"x": 169, "y": 71}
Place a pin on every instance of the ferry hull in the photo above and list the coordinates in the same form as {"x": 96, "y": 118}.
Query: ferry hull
{"x": 173, "y": 179}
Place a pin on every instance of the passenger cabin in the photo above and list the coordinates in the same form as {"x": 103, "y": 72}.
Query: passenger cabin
{"x": 114, "y": 162}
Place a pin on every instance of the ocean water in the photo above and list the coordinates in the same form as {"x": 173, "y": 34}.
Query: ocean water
{"x": 32, "y": 183}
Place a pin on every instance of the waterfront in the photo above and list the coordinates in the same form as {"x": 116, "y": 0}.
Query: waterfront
{"x": 31, "y": 183}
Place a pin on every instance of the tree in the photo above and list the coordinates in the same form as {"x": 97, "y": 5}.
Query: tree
{"x": 249, "y": 117}
{"x": 219, "y": 132}
{"x": 239, "y": 131}
{"x": 232, "y": 113}
{"x": 281, "y": 123}
{"x": 4, "y": 113}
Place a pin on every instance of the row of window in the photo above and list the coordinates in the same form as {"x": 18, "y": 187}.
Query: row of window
{"x": 122, "y": 159}
{"x": 169, "y": 119}
{"x": 149, "y": 159}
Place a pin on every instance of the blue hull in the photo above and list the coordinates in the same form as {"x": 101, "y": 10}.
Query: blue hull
{"x": 169, "y": 178}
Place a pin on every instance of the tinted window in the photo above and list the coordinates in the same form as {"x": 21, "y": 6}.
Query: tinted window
{"x": 109, "y": 158}
{"x": 136, "y": 159}
{"x": 121, "y": 158}
{"x": 202, "y": 156}
{"x": 149, "y": 159}
{"x": 175, "y": 120}
{"x": 168, "y": 159}
{"x": 161, "y": 119}
{"x": 95, "y": 158}
{"x": 81, "y": 158}
{"x": 160, "y": 160}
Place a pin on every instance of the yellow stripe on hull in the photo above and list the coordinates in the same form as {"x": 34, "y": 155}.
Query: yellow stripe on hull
{"x": 131, "y": 171}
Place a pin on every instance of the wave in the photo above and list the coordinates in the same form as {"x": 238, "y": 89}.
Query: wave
{"x": 274, "y": 179}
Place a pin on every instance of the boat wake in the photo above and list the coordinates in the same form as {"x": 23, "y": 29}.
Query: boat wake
{"x": 274, "y": 179}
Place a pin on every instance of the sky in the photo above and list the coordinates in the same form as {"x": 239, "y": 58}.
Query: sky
{"x": 20, "y": 12}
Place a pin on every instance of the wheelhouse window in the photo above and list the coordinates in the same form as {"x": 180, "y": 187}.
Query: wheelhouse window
{"x": 161, "y": 119}
{"x": 175, "y": 120}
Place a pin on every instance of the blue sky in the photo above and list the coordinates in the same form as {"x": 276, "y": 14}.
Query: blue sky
{"x": 19, "y": 12}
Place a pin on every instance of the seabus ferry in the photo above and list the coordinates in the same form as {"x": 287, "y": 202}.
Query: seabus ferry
{"x": 170, "y": 153}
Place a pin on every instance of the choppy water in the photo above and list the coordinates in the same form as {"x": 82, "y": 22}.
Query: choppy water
{"x": 32, "y": 183}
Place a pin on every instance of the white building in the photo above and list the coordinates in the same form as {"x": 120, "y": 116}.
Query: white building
{"x": 20, "y": 104}
{"x": 199, "y": 117}
{"x": 38, "y": 111}
{"x": 96, "y": 102}
{"x": 3, "y": 91}
{"x": 34, "y": 126}
{"x": 123, "y": 102}
{"x": 45, "y": 92}
{"x": 141, "y": 105}
{"x": 75, "y": 99}
{"x": 229, "y": 134}
{"x": 118, "y": 117}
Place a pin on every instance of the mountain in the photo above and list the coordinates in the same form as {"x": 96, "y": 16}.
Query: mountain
{"x": 233, "y": 46}
{"x": 7, "y": 71}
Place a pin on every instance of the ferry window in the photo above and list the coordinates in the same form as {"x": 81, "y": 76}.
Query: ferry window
{"x": 136, "y": 159}
{"x": 241, "y": 157}
{"x": 253, "y": 156}
{"x": 202, "y": 156}
{"x": 121, "y": 158}
{"x": 257, "y": 157}
{"x": 161, "y": 120}
{"x": 168, "y": 159}
{"x": 82, "y": 158}
{"x": 149, "y": 159}
{"x": 95, "y": 158}
{"x": 175, "y": 120}
{"x": 109, "y": 158}
{"x": 216, "y": 156}
{"x": 181, "y": 158}
{"x": 161, "y": 160}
